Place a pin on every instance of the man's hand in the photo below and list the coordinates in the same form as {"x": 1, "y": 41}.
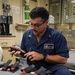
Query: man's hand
{"x": 15, "y": 50}
{"x": 34, "y": 56}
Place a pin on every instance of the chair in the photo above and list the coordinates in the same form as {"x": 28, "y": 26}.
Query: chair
{"x": 1, "y": 53}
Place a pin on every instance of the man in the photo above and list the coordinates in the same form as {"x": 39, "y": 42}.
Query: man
{"x": 44, "y": 45}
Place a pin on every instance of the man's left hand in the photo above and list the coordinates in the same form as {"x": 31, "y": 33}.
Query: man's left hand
{"x": 34, "y": 56}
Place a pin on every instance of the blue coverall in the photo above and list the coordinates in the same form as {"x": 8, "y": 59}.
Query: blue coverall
{"x": 52, "y": 43}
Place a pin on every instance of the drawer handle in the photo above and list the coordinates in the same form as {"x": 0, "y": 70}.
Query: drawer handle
{"x": 4, "y": 43}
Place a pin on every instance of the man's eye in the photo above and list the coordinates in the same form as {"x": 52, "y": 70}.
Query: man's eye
{"x": 36, "y": 24}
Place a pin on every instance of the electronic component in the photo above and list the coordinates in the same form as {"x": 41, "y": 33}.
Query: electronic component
{"x": 15, "y": 66}
{"x": 6, "y": 65}
{"x": 28, "y": 69}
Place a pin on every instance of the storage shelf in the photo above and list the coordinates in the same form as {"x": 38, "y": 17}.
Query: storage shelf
{"x": 21, "y": 27}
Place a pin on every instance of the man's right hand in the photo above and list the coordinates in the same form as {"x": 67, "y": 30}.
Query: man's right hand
{"x": 15, "y": 50}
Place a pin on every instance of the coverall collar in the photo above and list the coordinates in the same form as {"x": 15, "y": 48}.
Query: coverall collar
{"x": 45, "y": 37}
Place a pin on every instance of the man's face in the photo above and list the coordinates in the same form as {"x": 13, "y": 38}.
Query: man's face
{"x": 38, "y": 26}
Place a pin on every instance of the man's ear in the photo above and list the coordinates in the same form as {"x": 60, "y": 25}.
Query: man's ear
{"x": 46, "y": 21}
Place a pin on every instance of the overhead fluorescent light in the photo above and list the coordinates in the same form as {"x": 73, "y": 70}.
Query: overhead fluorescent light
{"x": 73, "y": 1}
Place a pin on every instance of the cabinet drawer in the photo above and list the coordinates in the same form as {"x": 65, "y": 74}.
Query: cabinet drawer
{"x": 7, "y": 42}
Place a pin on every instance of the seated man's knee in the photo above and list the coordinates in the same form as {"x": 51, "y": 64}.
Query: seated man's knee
{"x": 63, "y": 72}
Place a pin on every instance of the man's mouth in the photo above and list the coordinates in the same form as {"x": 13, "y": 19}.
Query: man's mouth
{"x": 35, "y": 31}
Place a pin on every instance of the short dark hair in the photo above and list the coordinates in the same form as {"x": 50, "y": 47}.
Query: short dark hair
{"x": 39, "y": 12}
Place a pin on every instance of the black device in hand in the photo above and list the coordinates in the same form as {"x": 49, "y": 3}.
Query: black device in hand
{"x": 15, "y": 49}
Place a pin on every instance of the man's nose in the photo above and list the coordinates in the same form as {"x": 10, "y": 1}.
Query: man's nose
{"x": 33, "y": 27}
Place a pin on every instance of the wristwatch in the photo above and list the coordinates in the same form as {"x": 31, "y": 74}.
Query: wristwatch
{"x": 44, "y": 56}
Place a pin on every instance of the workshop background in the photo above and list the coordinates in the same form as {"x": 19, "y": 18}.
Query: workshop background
{"x": 14, "y": 20}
